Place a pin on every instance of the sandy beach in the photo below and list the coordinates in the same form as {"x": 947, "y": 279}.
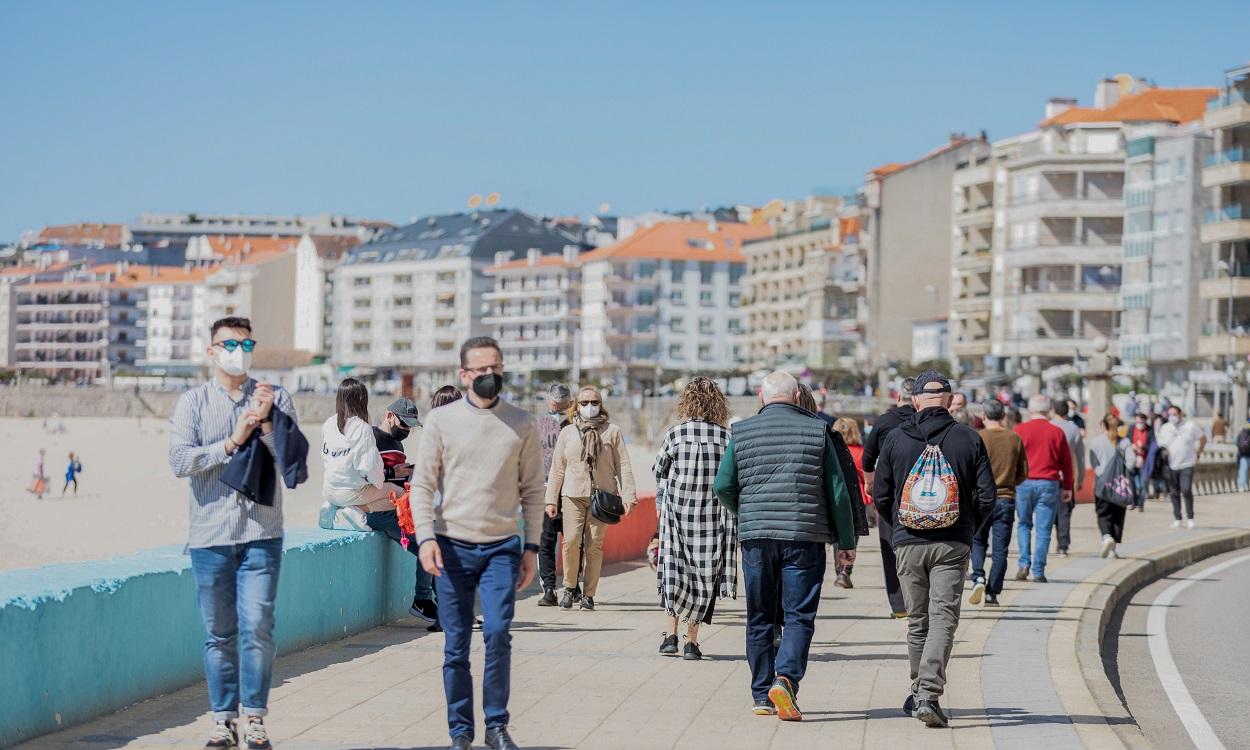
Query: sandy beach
{"x": 128, "y": 499}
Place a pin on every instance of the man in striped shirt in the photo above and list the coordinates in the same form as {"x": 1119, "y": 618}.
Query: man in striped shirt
{"x": 235, "y": 543}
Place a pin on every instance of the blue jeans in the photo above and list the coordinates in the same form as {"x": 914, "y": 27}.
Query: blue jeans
{"x": 387, "y": 522}
{"x": 1037, "y": 502}
{"x": 788, "y": 574}
{"x": 236, "y": 586}
{"x": 1243, "y": 473}
{"x": 999, "y": 524}
{"x": 490, "y": 571}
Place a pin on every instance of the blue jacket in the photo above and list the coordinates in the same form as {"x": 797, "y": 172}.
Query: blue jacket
{"x": 251, "y": 469}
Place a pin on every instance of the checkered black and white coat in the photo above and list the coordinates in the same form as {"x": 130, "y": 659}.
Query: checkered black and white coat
{"x": 698, "y": 537}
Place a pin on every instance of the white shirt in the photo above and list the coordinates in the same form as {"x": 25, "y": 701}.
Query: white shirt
{"x": 351, "y": 460}
{"x": 1181, "y": 442}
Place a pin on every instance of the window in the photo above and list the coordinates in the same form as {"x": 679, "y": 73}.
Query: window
{"x": 1180, "y": 169}
{"x": 706, "y": 325}
{"x": 1161, "y": 222}
{"x": 736, "y": 272}
{"x": 675, "y": 351}
{"x": 402, "y": 325}
{"x": 646, "y": 298}
{"x": 403, "y": 279}
{"x": 402, "y": 346}
{"x": 446, "y": 277}
{"x": 705, "y": 351}
{"x": 679, "y": 269}
{"x": 735, "y": 325}
{"x": 1178, "y": 222}
{"x": 359, "y": 281}
{"x": 706, "y": 270}
{"x": 735, "y": 299}
{"x": 645, "y": 269}
{"x": 360, "y": 348}
{"x": 362, "y": 304}
{"x": 678, "y": 297}
{"x": 403, "y": 302}
{"x": 677, "y": 325}
{"x": 361, "y": 325}
{"x": 1163, "y": 170}
{"x": 705, "y": 298}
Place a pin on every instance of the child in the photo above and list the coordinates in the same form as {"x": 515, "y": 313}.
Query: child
{"x": 71, "y": 474}
{"x": 354, "y": 483}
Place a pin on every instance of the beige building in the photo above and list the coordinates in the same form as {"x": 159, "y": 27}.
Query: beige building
{"x": 255, "y": 278}
{"x": 316, "y": 257}
{"x": 534, "y": 310}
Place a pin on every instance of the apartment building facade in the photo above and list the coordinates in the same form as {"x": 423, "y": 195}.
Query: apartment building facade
{"x": 61, "y": 327}
{"x": 535, "y": 311}
{"x": 973, "y": 279}
{"x": 316, "y": 257}
{"x": 253, "y": 277}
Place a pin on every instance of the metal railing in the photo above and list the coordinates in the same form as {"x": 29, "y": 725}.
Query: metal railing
{"x": 1229, "y": 98}
{"x": 1231, "y": 156}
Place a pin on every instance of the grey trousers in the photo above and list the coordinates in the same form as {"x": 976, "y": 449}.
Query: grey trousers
{"x": 932, "y": 575}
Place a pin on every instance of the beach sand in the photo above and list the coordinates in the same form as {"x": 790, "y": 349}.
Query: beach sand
{"x": 128, "y": 499}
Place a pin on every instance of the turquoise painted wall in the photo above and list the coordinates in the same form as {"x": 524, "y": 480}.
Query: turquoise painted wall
{"x": 81, "y": 640}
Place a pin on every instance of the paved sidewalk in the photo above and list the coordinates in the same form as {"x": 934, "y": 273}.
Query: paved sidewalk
{"x": 594, "y": 680}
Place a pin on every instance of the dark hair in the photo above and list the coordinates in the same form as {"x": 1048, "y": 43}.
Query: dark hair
{"x": 806, "y": 399}
{"x": 445, "y": 395}
{"x": 352, "y": 401}
{"x": 477, "y": 342}
{"x": 231, "y": 322}
{"x": 994, "y": 409}
{"x": 1060, "y": 407}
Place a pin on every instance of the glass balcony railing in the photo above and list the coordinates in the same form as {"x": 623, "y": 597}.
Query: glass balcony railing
{"x": 1229, "y": 98}
{"x": 1226, "y": 213}
{"x": 1231, "y": 156}
{"x": 1140, "y": 147}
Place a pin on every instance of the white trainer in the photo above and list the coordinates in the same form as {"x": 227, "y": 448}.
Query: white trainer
{"x": 1108, "y": 544}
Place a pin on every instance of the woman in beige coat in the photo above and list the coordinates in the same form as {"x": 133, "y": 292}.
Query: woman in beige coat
{"x": 591, "y": 440}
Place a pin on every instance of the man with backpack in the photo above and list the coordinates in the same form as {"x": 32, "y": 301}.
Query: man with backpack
{"x": 935, "y": 483}
{"x": 882, "y": 427}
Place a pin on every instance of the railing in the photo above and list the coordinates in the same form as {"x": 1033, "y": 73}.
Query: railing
{"x": 1231, "y": 156}
{"x": 1222, "y": 329}
{"x": 1234, "y": 212}
{"x": 1229, "y": 98}
{"x": 1239, "y": 269}
{"x": 1140, "y": 147}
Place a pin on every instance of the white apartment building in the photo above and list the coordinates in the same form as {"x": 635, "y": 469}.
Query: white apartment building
{"x": 175, "y": 322}
{"x": 972, "y": 262}
{"x": 667, "y": 299}
{"x": 61, "y": 327}
{"x": 316, "y": 257}
{"x": 151, "y": 226}
{"x": 534, "y": 310}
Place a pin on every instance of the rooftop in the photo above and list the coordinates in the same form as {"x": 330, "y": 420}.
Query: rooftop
{"x": 477, "y": 235}
{"x": 1152, "y": 105}
{"x": 543, "y": 261}
{"x": 684, "y": 240}
{"x": 83, "y": 234}
{"x": 149, "y": 275}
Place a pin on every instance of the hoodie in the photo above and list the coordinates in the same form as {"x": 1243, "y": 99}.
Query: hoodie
{"x": 966, "y": 454}
{"x": 881, "y": 429}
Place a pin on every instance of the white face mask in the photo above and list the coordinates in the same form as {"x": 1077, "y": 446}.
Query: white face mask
{"x": 1174, "y": 419}
{"x": 234, "y": 363}
{"x": 589, "y": 411}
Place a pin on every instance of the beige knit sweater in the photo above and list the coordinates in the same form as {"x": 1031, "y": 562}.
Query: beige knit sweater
{"x": 490, "y": 467}
{"x": 569, "y": 476}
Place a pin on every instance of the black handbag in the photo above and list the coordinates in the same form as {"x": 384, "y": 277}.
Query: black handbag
{"x": 604, "y": 506}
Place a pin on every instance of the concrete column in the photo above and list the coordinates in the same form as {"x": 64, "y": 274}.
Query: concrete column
{"x": 1241, "y": 400}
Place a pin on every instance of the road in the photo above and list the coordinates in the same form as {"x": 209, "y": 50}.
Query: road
{"x": 1203, "y": 611}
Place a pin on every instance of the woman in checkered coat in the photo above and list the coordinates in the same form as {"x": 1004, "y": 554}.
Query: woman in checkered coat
{"x": 698, "y": 557}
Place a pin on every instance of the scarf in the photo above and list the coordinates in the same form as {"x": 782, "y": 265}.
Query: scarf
{"x": 591, "y": 441}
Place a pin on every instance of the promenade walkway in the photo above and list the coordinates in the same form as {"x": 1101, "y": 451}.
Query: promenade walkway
{"x": 595, "y": 681}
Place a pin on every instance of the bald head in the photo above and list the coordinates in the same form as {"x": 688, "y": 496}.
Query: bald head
{"x": 779, "y": 387}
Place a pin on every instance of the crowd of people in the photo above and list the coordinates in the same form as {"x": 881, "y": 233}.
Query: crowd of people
{"x": 943, "y": 481}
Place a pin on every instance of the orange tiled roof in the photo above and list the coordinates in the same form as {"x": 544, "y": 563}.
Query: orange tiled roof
{"x": 543, "y": 261}
{"x": 848, "y": 226}
{"x": 1151, "y": 105}
{"x": 84, "y": 233}
{"x": 333, "y": 247}
{"x": 886, "y": 169}
{"x": 147, "y": 275}
{"x": 247, "y": 250}
{"x": 684, "y": 240}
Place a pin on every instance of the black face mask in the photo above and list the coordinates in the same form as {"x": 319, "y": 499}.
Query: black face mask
{"x": 400, "y": 433}
{"x": 488, "y": 386}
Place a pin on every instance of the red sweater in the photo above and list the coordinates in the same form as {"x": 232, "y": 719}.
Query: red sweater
{"x": 1048, "y": 451}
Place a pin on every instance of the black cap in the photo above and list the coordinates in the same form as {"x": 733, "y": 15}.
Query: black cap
{"x": 928, "y": 377}
{"x": 405, "y": 410}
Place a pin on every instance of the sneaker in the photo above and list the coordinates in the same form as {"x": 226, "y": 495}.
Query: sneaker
{"x": 931, "y": 714}
{"x": 1191, "y": 524}
{"x": 1108, "y": 544}
{"x": 1176, "y": 524}
{"x": 548, "y": 598}
{"x": 668, "y": 646}
{"x": 435, "y": 628}
{"x": 567, "y": 601}
{"x": 764, "y": 707}
{"x": 1040, "y": 578}
{"x": 901, "y": 614}
{"x": 909, "y": 705}
{"x": 477, "y": 623}
{"x": 1116, "y": 555}
{"x": 782, "y": 696}
{"x": 224, "y": 735}
{"x": 577, "y": 594}
{"x": 499, "y": 739}
{"x": 978, "y": 592}
{"x": 424, "y": 609}
{"x": 588, "y": 603}
{"x": 1022, "y": 574}
{"x": 255, "y": 735}
{"x": 692, "y": 652}
{"x": 843, "y": 581}
{"x": 991, "y": 600}
{"x": 1063, "y": 553}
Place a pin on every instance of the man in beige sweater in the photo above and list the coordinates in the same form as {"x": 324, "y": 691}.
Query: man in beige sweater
{"x": 485, "y": 456}
{"x": 1011, "y": 467}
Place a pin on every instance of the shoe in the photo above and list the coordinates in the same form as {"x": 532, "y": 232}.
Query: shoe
{"x": 577, "y": 594}
{"x": 901, "y": 614}
{"x": 1022, "y": 574}
{"x": 978, "y": 592}
{"x": 1040, "y": 579}
{"x": 692, "y": 652}
{"x": 435, "y": 628}
{"x": 588, "y": 603}
{"x": 424, "y": 609}
{"x": 499, "y": 739}
{"x": 668, "y": 646}
{"x": 1191, "y": 524}
{"x": 1176, "y": 524}
{"x": 764, "y": 707}
{"x": 1108, "y": 544}
{"x": 782, "y": 696}
{"x": 548, "y": 599}
{"x": 224, "y": 735}
{"x": 909, "y": 705}
{"x": 843, "y": 581}
{"x": 477, "y": 623}
{"x": 567, "y": 601}
{"x": 461, "y": 742}
{"x": 255, "y": 734}
{"x": 931, "y": 714}
{"x": 1116, "y": 555}
{"x": 991, "y": 600}
{"x": 1063, "y": 553}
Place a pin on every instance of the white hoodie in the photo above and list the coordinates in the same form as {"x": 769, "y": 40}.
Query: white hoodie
{"x": 351, "y": 461}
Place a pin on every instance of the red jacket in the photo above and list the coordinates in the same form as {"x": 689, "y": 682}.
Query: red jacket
{"x": 1048, "y": 452}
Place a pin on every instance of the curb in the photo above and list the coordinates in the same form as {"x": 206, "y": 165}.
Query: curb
{"x": 1105, "y": 598}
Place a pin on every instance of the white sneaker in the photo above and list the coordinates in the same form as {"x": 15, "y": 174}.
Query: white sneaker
{"x": 1108, "y": 544}
{"x": 224, "y": 736}
{"x": 1192, "y": 524}
{"x": 255, "y": 735}
{"x": 1176, "y": 524}
{"x": 978, "y": 591}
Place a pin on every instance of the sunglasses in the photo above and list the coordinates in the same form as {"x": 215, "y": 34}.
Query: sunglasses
{"x": 587, "y": 403}
{"x": 232, "y": 344}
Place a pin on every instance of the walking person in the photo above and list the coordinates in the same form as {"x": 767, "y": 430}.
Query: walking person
{"x": 1010, "y": 465}
{"x": 1184, "y": 441}
{"x": 39, "y": 484}
{"x": 882, "y": 427}
{"x": 1062, "y": 416}
{"x": 589, "y": 454}
{"x": 559, "y": 401}
{"x": 483, "y": 455}
{"x": 781, "y": 478}
{"x": 235, "y": 541}
{"x": 1112, "y": 494}
{"x": 1145, "y": 453}
{"x": 1050, "y": 482}
{"x": 698, "y": 554}
{"x": 71, "y": 474}
{"x": 935, "y": 481}
{"x": 845, "y": 559}
{"x": 1243, "y": 458}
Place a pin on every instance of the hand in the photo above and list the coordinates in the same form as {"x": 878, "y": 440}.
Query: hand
{"x": 1067, "y": 496}
{"x": 243, "y": 429}
{"x": 262, "y": 400}
{"x": 529, "y": 563}
{"x": 629, "y": 507}
{"x": 552, "y": 511}
{"x": 402, "y": 471}
{"x": 431, "y": 558}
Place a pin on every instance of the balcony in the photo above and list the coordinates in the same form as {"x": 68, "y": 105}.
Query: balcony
{"x": 971, "y": 348}
{"x": 978, "y": 304}
{"x": 978, "y": 259}
{"x": 1106, "y": 251}
{"x": 1063, "y": 346}
{"x": 1226, "y": 224}
{"x": 60, "y": 345}
{"x": 1066, "y": 205}
{"x": 975, "y": 215}
{"x": 1227, "y": 167}
{"x": 1218, "y": 285}
{"x": 1217, "y": 341}
{"x": 1227, "y": 110}
{"x": 1139, "y": 147}
{"x": 525, "y": 292}
{"x": 1069, "y": 296}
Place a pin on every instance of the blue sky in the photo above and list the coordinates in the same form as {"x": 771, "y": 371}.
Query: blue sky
{"x": 391, "y": 110}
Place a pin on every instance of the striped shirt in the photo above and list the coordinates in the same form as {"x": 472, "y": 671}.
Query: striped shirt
{"x": 204, "y": 417}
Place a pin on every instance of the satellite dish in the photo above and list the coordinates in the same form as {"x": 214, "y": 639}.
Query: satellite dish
{"x": 492, "y": 200}
{"x": 605, "y": 207}
{"x": 475, "y": 200}
{"x": 1124, "y": 82}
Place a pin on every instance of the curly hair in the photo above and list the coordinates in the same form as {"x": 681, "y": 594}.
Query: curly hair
{"x": 701, "y": 399}
{"x": 849, "y": 430}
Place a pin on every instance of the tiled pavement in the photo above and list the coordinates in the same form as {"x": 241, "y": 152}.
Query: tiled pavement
{"x": 594, "y": 680}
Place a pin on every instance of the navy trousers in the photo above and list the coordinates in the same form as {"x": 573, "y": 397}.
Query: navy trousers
{"x": 788, "y": 574}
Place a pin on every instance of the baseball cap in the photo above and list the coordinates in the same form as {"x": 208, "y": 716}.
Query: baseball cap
{"x": 559, "y": 392}
{"x": 929, "y": 377}
{"x": 405, "y": 410}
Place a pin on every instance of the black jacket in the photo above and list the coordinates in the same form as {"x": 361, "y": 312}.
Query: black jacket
{"x": 849, "y": 475}
{"x": 251, "y": 469}
{"x": 881, "y": 429}
{"x": 966, "y": 454}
